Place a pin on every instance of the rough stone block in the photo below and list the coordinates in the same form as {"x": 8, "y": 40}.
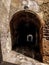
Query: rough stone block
{"x": 45, "y": 47}
{"x": 46, "y": 59}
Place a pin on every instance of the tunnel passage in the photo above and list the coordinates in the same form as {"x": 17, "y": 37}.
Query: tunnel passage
{"x": 25, "y": 34}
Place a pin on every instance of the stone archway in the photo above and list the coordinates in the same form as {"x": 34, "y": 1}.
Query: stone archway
{"x": 24, "y": 24}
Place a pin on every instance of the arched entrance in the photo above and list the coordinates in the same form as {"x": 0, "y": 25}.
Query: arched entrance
{"x": 25, "y": 29}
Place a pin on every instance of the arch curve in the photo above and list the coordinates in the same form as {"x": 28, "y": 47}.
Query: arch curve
{"x": 23, "y": 23}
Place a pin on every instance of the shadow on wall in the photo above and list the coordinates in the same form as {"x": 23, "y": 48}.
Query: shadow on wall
{"x": 0, "y": 51}
{"x": 25, "y": 34}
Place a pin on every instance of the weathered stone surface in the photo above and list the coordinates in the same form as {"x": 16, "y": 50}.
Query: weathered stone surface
{"x": 19, "y": 5}
{"x": 7, "y": 9}
{"x": 45, "y": 9}
{"x": 46, "y": 59}
{"x": 6, "y": 63}
{"x": 40, "y": 2}
{"x": 46, "y": 1}
{"x": 45, "y": 47}
{"x": 0, "y": 51}
{"x": 17, "y": 58}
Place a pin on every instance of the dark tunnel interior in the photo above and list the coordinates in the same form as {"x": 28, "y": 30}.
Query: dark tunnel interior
{"x": 28, "y": 35}
{"x": 25, "y": 36}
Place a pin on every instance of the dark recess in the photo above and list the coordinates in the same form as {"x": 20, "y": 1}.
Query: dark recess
{"x": 25, "y": 24}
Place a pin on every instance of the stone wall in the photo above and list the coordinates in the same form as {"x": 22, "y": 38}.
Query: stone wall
{"x": 45, "y": 8}
{"x": 7, "y": 9}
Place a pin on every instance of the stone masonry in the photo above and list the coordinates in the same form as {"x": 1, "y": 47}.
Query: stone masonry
{"x": 7, "y": 9}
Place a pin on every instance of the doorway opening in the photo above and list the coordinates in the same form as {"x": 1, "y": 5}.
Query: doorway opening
{"x": 25, "y": 34}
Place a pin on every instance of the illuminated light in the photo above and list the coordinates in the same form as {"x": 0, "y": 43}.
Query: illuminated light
{"x": 30, "y": 37}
